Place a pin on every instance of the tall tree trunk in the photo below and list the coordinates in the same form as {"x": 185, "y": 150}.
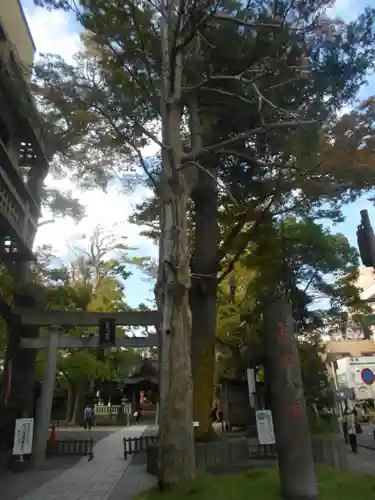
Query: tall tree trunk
{"x": 20, "y": 401}
{"x": 176, "y": 432}
{"x": 177, "y": 454}
{"x": 203, "y": 298}
{"x": 283, "y": 369}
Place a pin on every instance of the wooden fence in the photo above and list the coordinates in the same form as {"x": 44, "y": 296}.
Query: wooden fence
{"x": 70, "y": 447}
{"x": 133, "y": 446}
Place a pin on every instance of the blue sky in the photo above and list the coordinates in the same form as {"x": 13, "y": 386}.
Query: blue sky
{"x": 57, "y": 32}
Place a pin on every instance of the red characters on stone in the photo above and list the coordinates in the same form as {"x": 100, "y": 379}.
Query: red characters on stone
{"x": 281, "y": 331}
{"x": 294, "y": 410}
{"x": 286, "y": 361}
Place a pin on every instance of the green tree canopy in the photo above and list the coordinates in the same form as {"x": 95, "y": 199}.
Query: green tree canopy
{"x": 310, "y": 264}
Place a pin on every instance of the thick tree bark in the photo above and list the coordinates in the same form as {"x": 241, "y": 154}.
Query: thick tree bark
{"x": 176, "y": 432}
{"x": 177, "y": 454}
{"x": 283, "y": 372}
{"x": 203, "y": 299}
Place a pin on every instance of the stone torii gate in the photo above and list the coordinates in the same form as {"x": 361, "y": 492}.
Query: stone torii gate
{"x": 56, "y": 321}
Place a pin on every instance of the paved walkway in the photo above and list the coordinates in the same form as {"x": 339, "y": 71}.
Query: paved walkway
{"x": 109, "y": 477}
{"x": 94, "y": 480}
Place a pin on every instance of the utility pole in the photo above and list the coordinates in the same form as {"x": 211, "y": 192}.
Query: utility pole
{"x": 283, "y": 373}
{"x": 366, "y": 240}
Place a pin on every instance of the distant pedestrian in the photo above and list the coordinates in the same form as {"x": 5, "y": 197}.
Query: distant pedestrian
{"x": 137, "y": 416}
{"x": 214, "y": 415}
{"x": 352, "y": 430}
{"x": 88, "y": 417}
{"x": 345, "y": 427}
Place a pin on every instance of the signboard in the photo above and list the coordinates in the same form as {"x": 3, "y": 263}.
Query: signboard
{"x": 367, "y": 376}
{"x": 353, "y": 331}
{"x": 265, "y": 431}
{"x": 23, "y": 436}
{"x": 107, "y": 331}
{"x": 363, "y": 393}
{"x": 344, "y": 393}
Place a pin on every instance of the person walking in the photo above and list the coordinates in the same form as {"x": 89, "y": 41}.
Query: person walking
{"x": 88, "y": 417}
{"x": 137, "y": 415}
{"x": 345, "y": 426}
{"x": 352, "y": 430}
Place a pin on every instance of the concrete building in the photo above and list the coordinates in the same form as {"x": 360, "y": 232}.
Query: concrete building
{"x": 17, "y": 32}
{"x": 366, "y": 282}
{"x": 348, "y": 352}
{"x": 350, "y": 341}
{"x": 349, "y": 376}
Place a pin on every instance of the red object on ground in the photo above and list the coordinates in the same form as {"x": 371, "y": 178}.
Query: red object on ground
{"x": 52, "y": 436}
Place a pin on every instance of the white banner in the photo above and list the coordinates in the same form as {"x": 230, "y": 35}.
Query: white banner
{"x": 23, "y": 436}
{"x": 265, "y": 430}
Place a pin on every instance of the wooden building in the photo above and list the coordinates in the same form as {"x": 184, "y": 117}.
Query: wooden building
{"x": 233, "y": 401}
{"x": 22, "y": 153}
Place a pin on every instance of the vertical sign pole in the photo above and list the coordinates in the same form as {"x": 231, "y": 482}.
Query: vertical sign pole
{"x": 157, "y": 414}
{"x": 45, "y": 406}
{"x": 252, "y": 388}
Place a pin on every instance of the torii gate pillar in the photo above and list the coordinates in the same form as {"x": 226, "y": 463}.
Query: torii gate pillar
{"x": 43, "y": 416}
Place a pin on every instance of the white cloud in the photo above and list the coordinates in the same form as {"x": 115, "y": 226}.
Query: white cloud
{"x": 108, "y": 210}
{"x": 56, "y": 32}
{"x": 52, "y": 32}
{"x": 347, "y": 9}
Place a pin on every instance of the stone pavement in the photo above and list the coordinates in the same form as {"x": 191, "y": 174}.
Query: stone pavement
{"x": 94, "y": 480}
{"x": 109, "y": 477}
{"x": 132, "y": 482}
{"x": 364, "y": 461}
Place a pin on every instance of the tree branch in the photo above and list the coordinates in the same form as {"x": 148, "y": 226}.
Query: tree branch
{"x": 245, "y": 243}
{"x": 224, "y": 248}
{"x": 227, "y": 94}
{"x": 194, "y": 28}
{"x": 194, "y": 155}
{"x": 45, "y": 222}
{"x": 223, "y": 16}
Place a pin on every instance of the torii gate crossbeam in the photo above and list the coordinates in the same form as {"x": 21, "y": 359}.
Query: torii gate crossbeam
{"x": 55, "y": 340}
